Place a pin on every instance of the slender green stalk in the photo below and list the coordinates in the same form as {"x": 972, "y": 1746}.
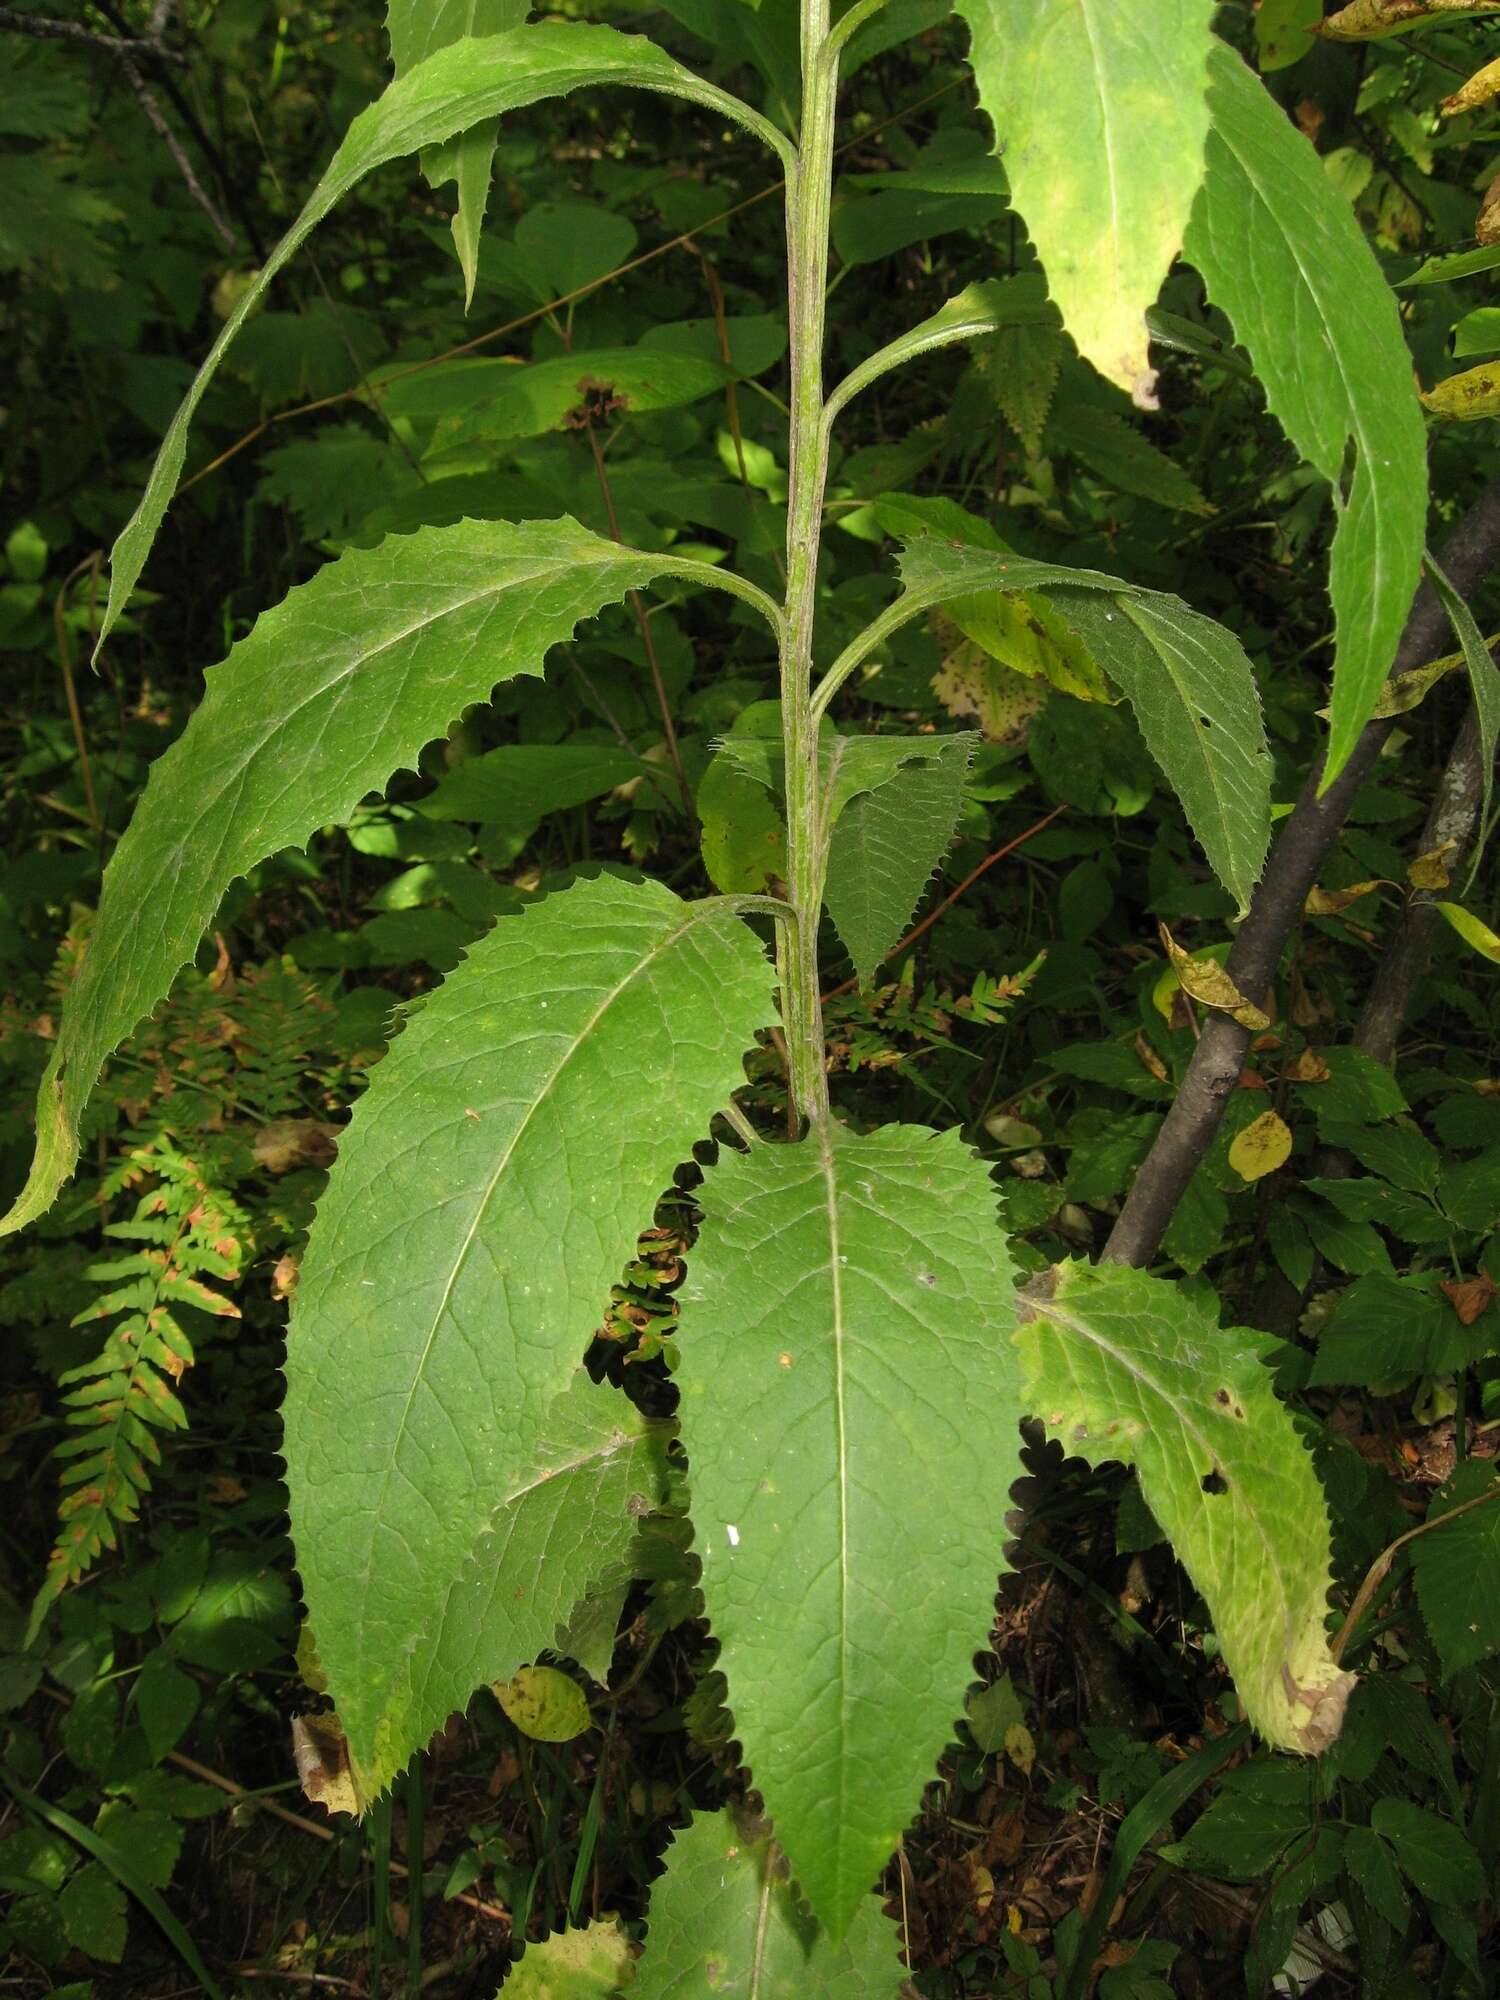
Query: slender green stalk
{"x": 809, "y": 193}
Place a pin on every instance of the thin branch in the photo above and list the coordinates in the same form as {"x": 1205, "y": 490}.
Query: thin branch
{"x": 1188, "y": 1129}
{"x": 123, "y": 48}
{"x": 157, "y": 118}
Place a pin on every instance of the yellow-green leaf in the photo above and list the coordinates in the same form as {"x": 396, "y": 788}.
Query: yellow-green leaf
{"x": 545, "y": 1704}
{"x": 1471, "y": 930}
{"x": 1263, "y": 1146}
{"x": 1466, "y": 397}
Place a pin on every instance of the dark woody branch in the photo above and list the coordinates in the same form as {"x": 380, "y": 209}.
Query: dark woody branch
{"x": 1188, "y": 1129}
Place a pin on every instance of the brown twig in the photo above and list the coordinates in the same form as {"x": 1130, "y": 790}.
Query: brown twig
{"x": 949, "y": 900}
{"x": 1195, "y": 1114}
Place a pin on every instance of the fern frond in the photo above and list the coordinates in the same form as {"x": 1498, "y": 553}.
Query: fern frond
{"x": 184, "y": 1232}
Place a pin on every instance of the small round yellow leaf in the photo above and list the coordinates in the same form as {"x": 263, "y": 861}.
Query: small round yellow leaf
{"x": 545, "y": 1704}
{"x": 1261, "y": 1148}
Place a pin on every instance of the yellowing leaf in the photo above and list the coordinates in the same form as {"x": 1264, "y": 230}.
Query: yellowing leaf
{"x": 1430, "y": 870}
{"x": 1206, "y": 981}
{"x": 1471, "y": 930}
{"x": 1329, "y": 902}
{"x": 1101, "y": 109}
{"x": 545, "y": 1704}
{"x": 324, "y": 1766}
{"x": 1263, "y": 1146}
{"x": 972, "y": 684}
{"x": 1480, "y": 88}
{"x": 1403, "y": 692}
{"x": 1371, "y": 20}
{"x": 1025, "y": 634}
{"x": 1465, "y": 398}
{"x": 589, "y": 1964}
{"x": 1020, "y": 1747}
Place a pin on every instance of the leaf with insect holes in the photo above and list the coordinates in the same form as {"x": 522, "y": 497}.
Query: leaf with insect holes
{"x": 725, "y": 1919}
{"x": 1283, "y": 256}
{"x": 1187, "y": 678}
{"x": 849, "y": 1409}
{"x": 1099, "y": 109}
{"x": 489, "y": 1188}
{"x": 416, "y": 29}
{"x": 1129, "y": 1369}
{"x": 333, "y": 691}
{"x": 885, "y": 845}
{"x": 467, "y": 84}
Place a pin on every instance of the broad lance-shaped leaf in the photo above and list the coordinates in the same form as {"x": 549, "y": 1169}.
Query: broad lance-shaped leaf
{"x": 725, "y": 1920}
{"x": 885, "y": 845}
{"x": 416, "y": 29}
{"x": 1126, "y": 1368}
{"x": 490, "y": 1187}
{"x": 850, "y": 1410}
{"x": 1187, "y": 678}
{"x": 466, "y": 84}
{"x": 556, "y": 1530}
{"x": 1099, "y": 108}
{"x": 1281, "y": 252}
{"x": 335, "y": 689}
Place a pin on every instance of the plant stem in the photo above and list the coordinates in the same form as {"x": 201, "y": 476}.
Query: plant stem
{"x": 809, "y": 192}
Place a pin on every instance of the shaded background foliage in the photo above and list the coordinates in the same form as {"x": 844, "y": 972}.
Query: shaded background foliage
{"x": 1034, "y": 1013}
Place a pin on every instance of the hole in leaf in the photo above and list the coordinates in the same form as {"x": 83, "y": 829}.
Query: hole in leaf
{"x": 1215, "y": 1482}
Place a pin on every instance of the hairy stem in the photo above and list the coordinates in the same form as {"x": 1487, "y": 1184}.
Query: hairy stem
{"x": 809, "y": 188}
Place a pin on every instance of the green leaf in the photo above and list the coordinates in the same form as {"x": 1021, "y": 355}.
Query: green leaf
{"x": 1100, "y": 105}
{"x": 588, "y": 1964}
{"x": 978, "y": 310}
{"x": 461, "y": 86}
{"x": 886, "y": 844}
{"x": 1186, "y": 677}
{"x": 1284, "y": 31}
{"x": 1368, "y": 1860}
{"x": 335, "y": 689}
{"x": 744, "y": 841}
{"x": 94, "y": 1908}
{"x": 520, "y": 782}
{"x": 849, "y": 1407}
{"x": 1124, "y": 1367}
{"x": 489, "y": 1188}
{"x": 417, "y": 28}
{"x": 1123, "y": 458}
{"x": 724, "y": 1919}
{"x": 1457, "y": 1568}
{"x": 1281, "y": 252}
{"x": 166, "y": 1700}
{"x": 458, "y": 404}
{"x": 1431, "y": 1851}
